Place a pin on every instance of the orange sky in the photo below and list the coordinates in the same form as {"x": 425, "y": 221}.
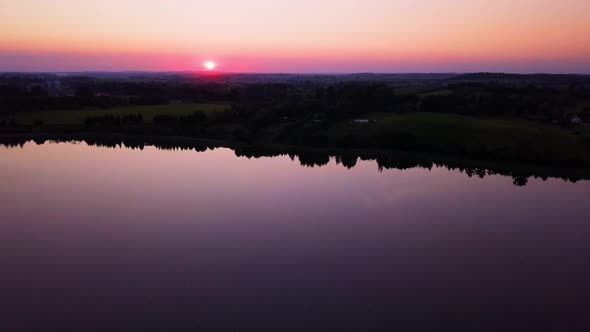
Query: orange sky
{"x": 297, "y": 36}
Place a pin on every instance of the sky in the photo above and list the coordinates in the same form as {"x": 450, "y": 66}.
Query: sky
{"x": 303, "y": 36}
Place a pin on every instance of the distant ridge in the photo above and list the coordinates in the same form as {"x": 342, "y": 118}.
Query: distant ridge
{"x": 230, "y": 77}
{"x": 545, "y": 78}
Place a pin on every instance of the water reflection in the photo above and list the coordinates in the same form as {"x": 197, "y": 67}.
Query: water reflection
{"x": 318, "y": 158}
{"x": 96, "y": 238}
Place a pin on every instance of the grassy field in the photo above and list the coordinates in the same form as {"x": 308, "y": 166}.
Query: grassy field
{"x": 77, "y": 117}
{"x": 505, "y": 138}
{"x": 487, "y": 138}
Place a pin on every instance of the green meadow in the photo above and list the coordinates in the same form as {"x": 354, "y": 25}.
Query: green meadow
{"x": 77, "y": 117}
{"x": 475, "y": 136}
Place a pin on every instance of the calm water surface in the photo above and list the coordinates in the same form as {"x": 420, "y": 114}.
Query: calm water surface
{"x": 123, "y": 240}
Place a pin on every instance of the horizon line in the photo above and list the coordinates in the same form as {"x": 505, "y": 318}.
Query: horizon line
{"x": 213, "y": 73}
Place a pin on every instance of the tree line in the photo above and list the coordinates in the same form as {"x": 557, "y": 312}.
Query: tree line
{"x": 306, "y": 157}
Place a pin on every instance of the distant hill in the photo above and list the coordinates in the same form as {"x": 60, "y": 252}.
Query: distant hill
{"x": 241, "y": 78}
{"x": 319, "y": 78}
{"x": 524, "y": 78}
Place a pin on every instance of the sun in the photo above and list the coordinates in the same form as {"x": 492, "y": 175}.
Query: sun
{"x": 209, "y": 65}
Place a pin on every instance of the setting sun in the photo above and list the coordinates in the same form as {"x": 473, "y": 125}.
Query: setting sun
{"x": 210, "y": 65}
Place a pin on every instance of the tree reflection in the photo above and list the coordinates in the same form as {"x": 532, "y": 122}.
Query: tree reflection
{"x": 385, "y": 160}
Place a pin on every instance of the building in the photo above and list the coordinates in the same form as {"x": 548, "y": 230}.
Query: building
{"x": 361, "y": 121}
{"x": 576, "y": 120}
{"x": 53, "y": 85}
{"x": 53, "y": 88}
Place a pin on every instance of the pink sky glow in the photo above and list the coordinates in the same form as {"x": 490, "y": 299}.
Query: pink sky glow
{"x": 296, "y": 36}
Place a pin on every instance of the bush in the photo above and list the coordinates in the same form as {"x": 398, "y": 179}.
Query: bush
{"x": 110, "y": 120}
{"x": 180, "y": 120}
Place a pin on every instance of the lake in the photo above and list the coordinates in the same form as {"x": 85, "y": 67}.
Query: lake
{"x": 120, "y": 239}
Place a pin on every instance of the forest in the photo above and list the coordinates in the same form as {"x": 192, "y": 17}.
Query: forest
{"x": 529, "y": 118}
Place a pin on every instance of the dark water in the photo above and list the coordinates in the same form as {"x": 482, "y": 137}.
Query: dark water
{"x": 127, "y": 240}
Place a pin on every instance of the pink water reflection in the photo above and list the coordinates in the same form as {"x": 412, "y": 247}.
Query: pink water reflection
{"x": 132, "y": 237}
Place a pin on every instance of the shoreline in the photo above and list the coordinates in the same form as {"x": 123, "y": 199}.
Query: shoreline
{"x": 313, "y": 156}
